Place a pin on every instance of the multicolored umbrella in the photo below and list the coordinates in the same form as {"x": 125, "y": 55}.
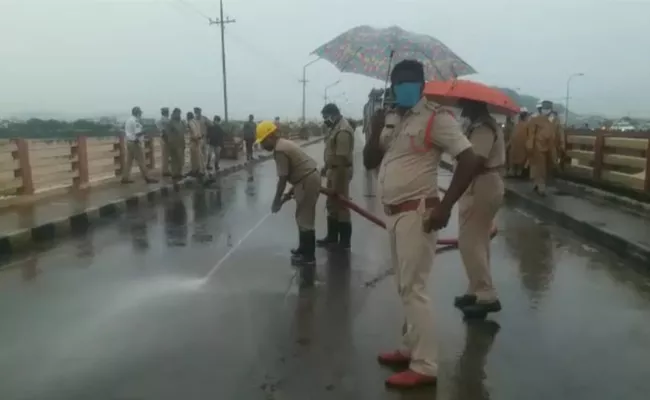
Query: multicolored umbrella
{"x": 448, "y": 93}
{"x": 372, "y": 52}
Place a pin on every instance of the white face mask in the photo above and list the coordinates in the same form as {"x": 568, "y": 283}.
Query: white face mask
{"x": 546, "y": 111}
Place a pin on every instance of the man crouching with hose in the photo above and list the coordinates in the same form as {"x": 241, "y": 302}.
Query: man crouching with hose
{"x": 408, "y": 149}
{"x": 300, "y": 170}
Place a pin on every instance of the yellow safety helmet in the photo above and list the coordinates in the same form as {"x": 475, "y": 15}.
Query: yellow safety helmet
{"x": 264, "y": 130}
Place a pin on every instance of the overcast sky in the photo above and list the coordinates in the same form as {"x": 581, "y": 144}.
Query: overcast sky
{"x": 84, "y": 57}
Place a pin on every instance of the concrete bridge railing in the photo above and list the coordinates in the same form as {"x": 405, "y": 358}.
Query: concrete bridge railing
{"x": 34, "y": 168}
{"x": 610, "y": 160}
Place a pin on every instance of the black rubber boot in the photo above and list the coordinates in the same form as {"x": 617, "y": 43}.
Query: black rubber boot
{"x": 309, "y": 249}
{"x": 345, "y": 232}
{"x": 307, "y": 255}
{"x": 301, "y": 244}
{"x": 308, "y": 260}
{"x": 332, "y": 234}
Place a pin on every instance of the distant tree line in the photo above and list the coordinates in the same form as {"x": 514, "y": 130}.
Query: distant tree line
{"x": 56, "y": 129}
{"x": 37, "y": 128}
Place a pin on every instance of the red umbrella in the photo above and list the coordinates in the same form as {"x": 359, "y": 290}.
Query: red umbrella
{"x": 449, "y": 92}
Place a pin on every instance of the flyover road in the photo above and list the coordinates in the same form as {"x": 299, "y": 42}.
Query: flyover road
{"x": 194, "y": 298}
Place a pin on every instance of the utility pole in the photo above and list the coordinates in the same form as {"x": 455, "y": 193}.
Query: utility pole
{"x": 222, "y": 24}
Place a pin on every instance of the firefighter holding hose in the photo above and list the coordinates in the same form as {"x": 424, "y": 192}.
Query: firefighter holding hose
{"x": 339, "y": 150}
{"x": 408, "y": 149}
{"x": 294, "y": 166}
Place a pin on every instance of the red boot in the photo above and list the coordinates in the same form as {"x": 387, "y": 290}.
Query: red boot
{"x": 393, "y": 358}
{"x": 410, "y": 379}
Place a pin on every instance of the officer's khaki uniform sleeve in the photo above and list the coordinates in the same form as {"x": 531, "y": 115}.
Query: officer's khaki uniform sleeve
{"x": 482, "y": 139}
{"x": 448, "y": 135}
{"x": 281, "y": 163}
{"x": 343, "y": 144}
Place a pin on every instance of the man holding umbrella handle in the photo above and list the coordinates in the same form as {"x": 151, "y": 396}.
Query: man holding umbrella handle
{"x": 408, "y": 150}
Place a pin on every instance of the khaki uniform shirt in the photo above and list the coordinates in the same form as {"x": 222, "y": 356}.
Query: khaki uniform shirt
{"x": 559, "y": 135}
{"x": 488, "y": 144}
{"x": 409, "y": 169}
{"x": 196, "y": 132}
{"x": 292, "y": 161}
{"x": 204, "y": 122}
{"x": 518, "y": 143}
{"x": 541, "y": 134}
{"x": 176, "y": 128}
{"x": 339, "y": 145}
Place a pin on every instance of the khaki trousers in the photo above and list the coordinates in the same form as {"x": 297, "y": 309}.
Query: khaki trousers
{"x": 197, "y": 161}
{"x": 412, "y": 254}
{"x": 134, "y": 152}
{"x": 206, "y": 151}
{"x": 306, "y": 194}
{"x": 541, "y": 164}
{"x": 164, "y": 144}
{"x": 176, "y": 150}
{"x": 214, "y": 155}
{"x": 338, "y": 179}
{"x": 477, "y": 208}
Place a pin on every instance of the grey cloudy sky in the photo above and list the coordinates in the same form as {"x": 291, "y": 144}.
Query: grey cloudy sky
{"x": 103, "y": 56}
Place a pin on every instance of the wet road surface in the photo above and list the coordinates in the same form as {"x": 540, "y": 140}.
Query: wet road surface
{"x": 194, "y": 298}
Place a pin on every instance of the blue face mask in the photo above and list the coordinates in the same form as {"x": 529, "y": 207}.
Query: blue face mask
{"x": 407, "y": 94}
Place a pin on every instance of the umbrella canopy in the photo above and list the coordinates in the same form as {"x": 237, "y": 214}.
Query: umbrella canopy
{"x": 448, "y": 93}
{"x": 372, "y": 52}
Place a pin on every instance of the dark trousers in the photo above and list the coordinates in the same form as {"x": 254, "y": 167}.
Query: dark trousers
{"x": 249, "y": 148}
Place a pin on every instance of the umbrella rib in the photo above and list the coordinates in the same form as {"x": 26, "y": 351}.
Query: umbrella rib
{"x": 342, "y": 68}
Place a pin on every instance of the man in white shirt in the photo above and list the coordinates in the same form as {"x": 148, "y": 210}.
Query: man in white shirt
{"x": 133, "y": 135}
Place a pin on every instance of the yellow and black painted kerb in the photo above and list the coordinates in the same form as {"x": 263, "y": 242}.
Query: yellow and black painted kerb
{"x": 28, "y": 239}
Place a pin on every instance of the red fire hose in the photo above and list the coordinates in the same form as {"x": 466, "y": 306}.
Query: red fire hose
{"x": 377, "y": 221}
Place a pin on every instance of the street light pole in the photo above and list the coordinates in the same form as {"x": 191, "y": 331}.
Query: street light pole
{"x": 568, "y": 92}
{"x": 304, "y": 87}
{"x": 329, "y": 87}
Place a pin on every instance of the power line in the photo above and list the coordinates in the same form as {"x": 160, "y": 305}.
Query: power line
{"x": 268, "y": 57}
{"x": 194, "y": 8}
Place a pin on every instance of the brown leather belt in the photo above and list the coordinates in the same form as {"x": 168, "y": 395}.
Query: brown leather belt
{"x": 410, "y": 205}
{"x": 302, "y": 178}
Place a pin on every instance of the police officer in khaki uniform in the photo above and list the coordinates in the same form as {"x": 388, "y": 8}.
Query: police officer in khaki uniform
{"x": 408, "y": 155}
{"x": 477, "y": 208}
{"x": 339, "y": 150}
{"x": 517, "y": 146}
{"x": 204, "y": 123}
{"x": 542, "y": 147}
{"x": 176, "y": 144}
{"x": 161, "y": 124}
{"x": 300, "y": 170}
{"x": 560, "y": 145}
{"x": 197, "y": 162}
